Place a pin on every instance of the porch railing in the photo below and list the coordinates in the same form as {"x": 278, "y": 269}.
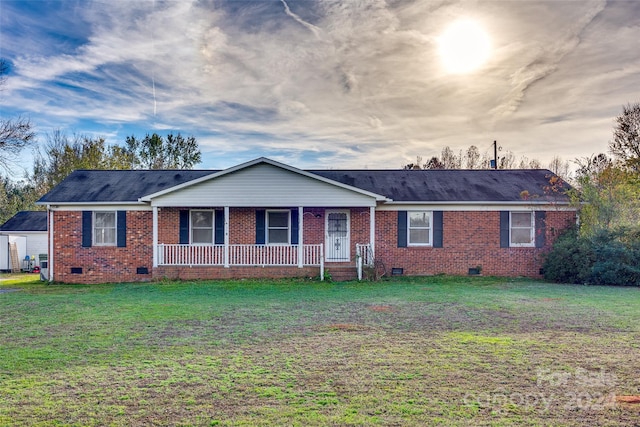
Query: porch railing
{"x": 239, "y": 255}
{"x": 364, "y": 257}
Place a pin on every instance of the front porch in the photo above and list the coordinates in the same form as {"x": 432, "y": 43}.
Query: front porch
{"x": 270, "y": 239}
{"x": 233, "y": 255}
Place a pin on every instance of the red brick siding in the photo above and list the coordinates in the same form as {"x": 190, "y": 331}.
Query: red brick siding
{"x": 169, "y": 226}
{"x": 101, "y": 264}
{"x": 313, "y": 224}
{"x": 470, "y": 239}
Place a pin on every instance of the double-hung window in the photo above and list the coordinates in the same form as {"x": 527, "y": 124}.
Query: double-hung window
{"x": 522, "y": 229}
{"x": 419, "y": 229}
{"x": 202, "y": 224}
{"x": 104, "y": 228}
{"x": 278, "y": 227}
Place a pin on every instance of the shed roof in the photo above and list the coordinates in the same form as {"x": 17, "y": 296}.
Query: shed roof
{"x": 26, "y": 221}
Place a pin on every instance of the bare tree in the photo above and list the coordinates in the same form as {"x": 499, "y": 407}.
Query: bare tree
{"x": 15, "y": 134}
{"x": 593, "y": 166}
{"x": 450, "y": 160}
{"x": 626, "y": 137}
{"x": 434, "y": 163}
{"x": 473, "y": 157}
{"x": 560, "y": 167}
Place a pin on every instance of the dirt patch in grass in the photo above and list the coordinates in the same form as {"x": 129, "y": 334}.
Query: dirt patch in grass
{"x": 348, "y": 327}
{"x": 382, "y": 308}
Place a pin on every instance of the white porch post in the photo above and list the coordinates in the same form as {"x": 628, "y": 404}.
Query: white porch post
{"x": 300, "y": 236}
{"x": 155, "y": 236}
{"x": 372, "y": 230}
{"x": 226, "y": 236}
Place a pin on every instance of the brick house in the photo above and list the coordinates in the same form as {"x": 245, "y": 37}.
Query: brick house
{"x": 268, "y": 219}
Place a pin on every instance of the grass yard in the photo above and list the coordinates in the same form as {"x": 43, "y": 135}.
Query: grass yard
{"x": 413, "y": 351}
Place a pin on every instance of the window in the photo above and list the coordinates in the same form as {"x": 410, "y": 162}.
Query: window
{"x": 202, "y": 230}
{"x": 521, "y": 229}
{"x": 104, "y": 228}
{"x": 419, "y": 228}
{"x": 278, "y": 226}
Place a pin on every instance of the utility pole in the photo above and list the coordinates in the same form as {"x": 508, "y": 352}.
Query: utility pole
{"x": 495, "y": 154}
{"x": 494, "y": 162}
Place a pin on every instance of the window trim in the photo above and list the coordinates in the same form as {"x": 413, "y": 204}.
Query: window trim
{"x": 94, "y": 232}
{"x": 430, "y": 228}
{"x": 532, "y": 232}
{"x": 213, "y": 227}
{"x": 267, "y": 227}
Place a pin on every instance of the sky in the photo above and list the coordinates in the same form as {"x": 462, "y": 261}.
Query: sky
{"x": 323, "y": 84}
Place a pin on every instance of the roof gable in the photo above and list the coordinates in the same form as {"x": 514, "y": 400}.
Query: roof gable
{"x": 263, "y": 182}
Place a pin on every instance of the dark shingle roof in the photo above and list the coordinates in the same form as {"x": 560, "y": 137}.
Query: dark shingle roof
{"x": 89, "y": 186}
{"x": 26, "y": 221}
{"x": 448, "y": 185}
{"x": 84, "y": 186}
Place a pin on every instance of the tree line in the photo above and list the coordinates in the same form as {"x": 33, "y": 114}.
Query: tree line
{"x": 62, "y": 154}
{"x": 471, "y": 158}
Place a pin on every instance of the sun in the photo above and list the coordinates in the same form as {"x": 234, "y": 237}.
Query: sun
{"x": 464, "y": 47}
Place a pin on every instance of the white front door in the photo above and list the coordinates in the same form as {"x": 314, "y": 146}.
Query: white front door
{"x": 338, "y": 243}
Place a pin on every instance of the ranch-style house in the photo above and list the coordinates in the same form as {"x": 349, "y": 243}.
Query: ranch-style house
{"x": 268, "y": 219}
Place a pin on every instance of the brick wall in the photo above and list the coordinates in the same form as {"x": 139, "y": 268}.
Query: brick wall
{"x": 101, "y": 264}
{"x": 470, "y": 240}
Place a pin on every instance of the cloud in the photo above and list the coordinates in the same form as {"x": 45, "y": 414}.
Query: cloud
{"x": 298, "y": 79}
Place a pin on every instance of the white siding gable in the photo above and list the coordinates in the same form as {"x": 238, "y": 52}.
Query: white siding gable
{"x": 264, "y": 185}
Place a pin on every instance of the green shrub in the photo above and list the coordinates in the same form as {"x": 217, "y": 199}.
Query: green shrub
{"x": 609, "y": 257}
{"x": 569, "y": 260}
{"x": 617, "y": 258}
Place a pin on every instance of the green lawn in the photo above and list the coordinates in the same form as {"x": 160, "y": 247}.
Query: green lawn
{"x": 413, "y": 351}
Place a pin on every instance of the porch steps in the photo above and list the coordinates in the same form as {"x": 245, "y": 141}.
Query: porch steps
{"x": 341, "y": 272}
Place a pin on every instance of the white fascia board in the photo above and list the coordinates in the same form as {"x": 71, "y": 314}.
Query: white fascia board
{"x": 98, "y": 206}
{"x": 475, "y": 206}
{"x": 257, "y": 161}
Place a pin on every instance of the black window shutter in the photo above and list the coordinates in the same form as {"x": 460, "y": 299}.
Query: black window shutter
{"x": 184, "y": 227}
{"x": 87, "y": 228}
{"x": 504, "y": 229}
{"x": 219, "y": 231}
{"x": 261, "y": 225}
{"x": 295, "y": 226}
{"x": 541, "y": 229}
{"x": 121, "y": 231}
{"x": 402, "y": 229}
{"x": 437, "y": 229}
